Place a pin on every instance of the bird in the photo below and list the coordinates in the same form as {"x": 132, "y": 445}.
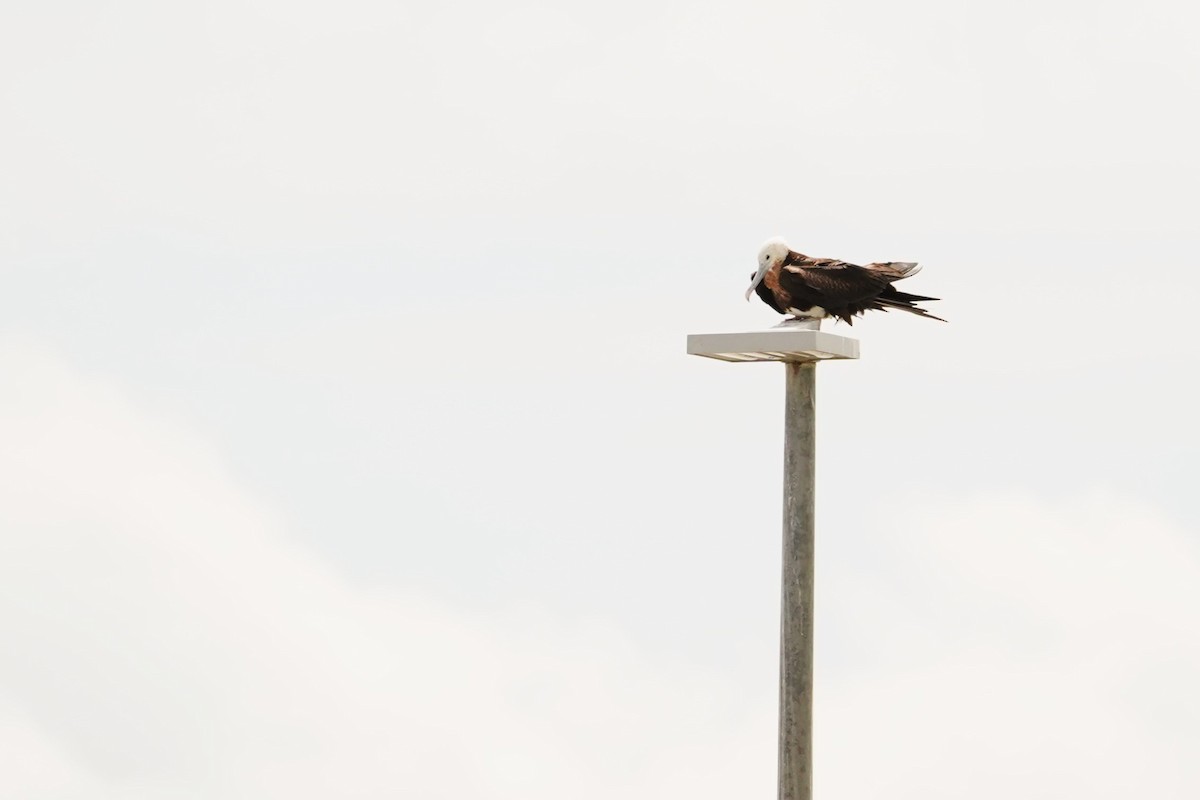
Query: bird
{"x": 816, "y": 288}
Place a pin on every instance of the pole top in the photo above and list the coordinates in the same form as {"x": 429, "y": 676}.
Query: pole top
{"x": 789, "y": 343}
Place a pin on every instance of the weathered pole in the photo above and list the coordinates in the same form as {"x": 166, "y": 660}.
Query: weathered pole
{"x": 796, "y": 612}
{"x": 800, "y": 345}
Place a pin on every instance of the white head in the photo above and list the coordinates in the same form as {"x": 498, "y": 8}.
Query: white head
{"x": 773, "y": 252}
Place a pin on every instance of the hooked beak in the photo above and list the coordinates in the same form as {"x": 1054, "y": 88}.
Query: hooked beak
{"x": 758, "y": 276}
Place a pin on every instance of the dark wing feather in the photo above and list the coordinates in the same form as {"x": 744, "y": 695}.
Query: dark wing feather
{"x": 837, "y": 281}
{"x": 895, "y": 270}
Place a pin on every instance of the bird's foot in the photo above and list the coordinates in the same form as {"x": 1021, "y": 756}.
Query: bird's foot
{"x": 801, "y": 323}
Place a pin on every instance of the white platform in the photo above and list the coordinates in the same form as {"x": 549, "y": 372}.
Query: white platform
{"x": 775, "y": 344}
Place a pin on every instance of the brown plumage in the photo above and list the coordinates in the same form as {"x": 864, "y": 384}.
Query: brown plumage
{"x": 793, "y": 283}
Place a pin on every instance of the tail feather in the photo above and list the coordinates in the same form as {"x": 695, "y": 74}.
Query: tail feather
{"x": 904, "y": 304}
{"x": 910, "y": 298}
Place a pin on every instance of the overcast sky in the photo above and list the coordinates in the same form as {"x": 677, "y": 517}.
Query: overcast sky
{"x": 348, "y": 445}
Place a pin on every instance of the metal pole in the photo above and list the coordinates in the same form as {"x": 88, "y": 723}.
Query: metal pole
{"x": 796, "y": 617}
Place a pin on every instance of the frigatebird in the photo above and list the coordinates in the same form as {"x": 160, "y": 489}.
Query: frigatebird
{"x": 815, "y": 288}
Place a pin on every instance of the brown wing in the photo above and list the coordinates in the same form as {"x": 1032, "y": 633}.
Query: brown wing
{"x": 836, "y": 281}
{"x": 895, "y": 270}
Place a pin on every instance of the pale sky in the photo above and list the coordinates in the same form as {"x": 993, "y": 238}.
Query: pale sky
{"x": 349, "y": 448}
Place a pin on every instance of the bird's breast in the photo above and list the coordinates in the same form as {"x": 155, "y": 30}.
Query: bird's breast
{"x": 771, "y": 279}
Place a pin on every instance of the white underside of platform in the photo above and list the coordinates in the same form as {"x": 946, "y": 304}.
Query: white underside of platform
{"x": 793, "y": 343}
